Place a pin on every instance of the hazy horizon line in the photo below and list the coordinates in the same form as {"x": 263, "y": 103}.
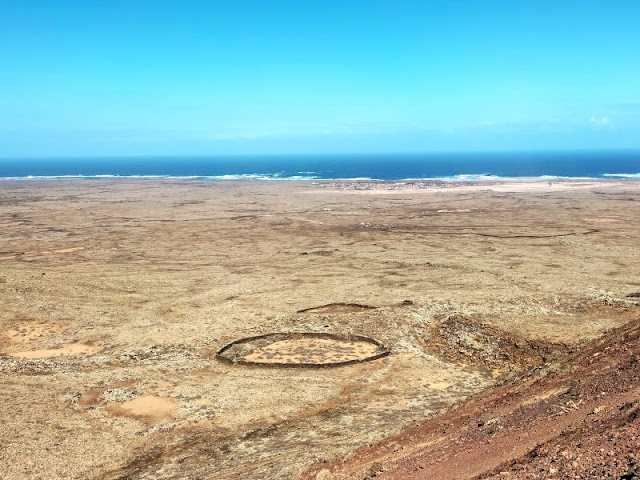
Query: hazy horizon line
{"x": 332, "y": 153}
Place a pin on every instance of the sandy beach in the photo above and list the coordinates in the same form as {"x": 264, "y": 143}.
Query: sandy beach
{"x": 118, "y": 294}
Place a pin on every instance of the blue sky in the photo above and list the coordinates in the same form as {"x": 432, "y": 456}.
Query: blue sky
{"x": 209, "y": 77}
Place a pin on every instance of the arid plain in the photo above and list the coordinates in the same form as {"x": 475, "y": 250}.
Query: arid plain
{"x": 117, "y": 295}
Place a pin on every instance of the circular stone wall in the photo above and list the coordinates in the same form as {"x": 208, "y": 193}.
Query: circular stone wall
{"x": 310, "y": 350}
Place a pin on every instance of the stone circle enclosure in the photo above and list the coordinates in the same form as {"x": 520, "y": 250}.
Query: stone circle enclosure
{"x": 302, "y": 350}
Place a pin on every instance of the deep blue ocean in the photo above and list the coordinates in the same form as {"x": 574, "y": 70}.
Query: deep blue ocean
{"x": 388, "y": 166}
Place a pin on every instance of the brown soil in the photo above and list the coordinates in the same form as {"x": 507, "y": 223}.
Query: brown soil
{"x": 27, "y": 332}
{"x": 465, "y": 341}
{"x": 162, "y": 274}
{"x": 66, "y": 351}
{"x": 148, "y": 408}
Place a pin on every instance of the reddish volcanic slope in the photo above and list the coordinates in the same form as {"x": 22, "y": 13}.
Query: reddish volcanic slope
{"x": 578, "y": 418}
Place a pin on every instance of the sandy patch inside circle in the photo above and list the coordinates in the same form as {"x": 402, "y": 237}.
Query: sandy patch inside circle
{"x": 307, "y": 349}
{"x": 312, "y": 350}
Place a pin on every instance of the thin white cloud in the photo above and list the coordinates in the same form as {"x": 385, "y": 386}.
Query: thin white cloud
{"x": 600, "y": 122}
